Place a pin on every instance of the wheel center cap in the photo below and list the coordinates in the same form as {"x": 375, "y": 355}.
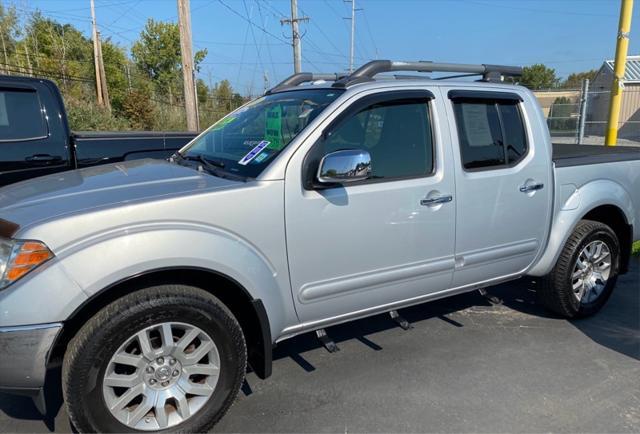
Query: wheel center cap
{"x": 163, "y": 373}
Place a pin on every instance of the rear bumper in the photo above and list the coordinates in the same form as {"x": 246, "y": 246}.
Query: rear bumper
{"x": 24, "y": 352}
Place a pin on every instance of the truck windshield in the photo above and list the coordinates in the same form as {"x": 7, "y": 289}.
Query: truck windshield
{"x": 244, "y": 142}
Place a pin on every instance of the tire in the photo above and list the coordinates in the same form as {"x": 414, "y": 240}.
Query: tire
{"x": 170, "y": 339}
{"x": 556, "y": 290}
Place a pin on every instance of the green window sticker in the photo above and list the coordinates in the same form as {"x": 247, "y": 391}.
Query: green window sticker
{"x": 273, "y": 128}
{"x": 222, "y": 123}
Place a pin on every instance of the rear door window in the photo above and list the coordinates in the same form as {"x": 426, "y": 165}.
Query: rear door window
{"x": 491, "y": 133}
{"x": 21, "y": 116}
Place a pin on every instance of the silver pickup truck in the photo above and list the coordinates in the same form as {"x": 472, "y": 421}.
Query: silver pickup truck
{"x": 330, "y": 198}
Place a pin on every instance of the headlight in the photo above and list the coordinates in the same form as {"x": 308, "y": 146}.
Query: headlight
{"x": 19, "y": 257}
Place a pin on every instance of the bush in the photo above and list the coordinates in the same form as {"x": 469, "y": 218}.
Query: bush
{"x": 636, "y": 248}
{"x": 84, "y": 116}
{"x": 138, "y": 109}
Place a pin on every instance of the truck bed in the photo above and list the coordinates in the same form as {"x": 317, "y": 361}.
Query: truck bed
{"x": 566, "y": 154}
{"x": 93, "y": 148}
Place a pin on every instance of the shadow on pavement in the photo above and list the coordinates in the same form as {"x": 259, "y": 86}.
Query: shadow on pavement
{"x": 616, "y": 327}
{"x": 22, "y": 407}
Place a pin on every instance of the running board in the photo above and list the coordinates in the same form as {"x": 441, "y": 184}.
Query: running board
{"x": 490, "y": 298}
{"x": 406, "y": 325}
{"x": 326, "y": 341}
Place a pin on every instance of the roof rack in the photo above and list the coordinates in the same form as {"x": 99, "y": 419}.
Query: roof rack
{"x": 303, "y": 77}
{"x": 367, "y": 72}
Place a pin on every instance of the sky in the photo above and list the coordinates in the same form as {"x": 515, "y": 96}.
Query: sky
{"x": 246, "y": 41}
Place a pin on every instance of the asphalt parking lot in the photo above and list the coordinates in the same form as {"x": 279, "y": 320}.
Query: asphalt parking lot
{"x": 466, "y": 366}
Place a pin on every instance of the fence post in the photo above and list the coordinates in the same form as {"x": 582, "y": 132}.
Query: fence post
{"x": 584, "y": 101}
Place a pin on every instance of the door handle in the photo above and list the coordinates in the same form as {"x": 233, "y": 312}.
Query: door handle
{"x": 531, "y": 187}
{"x": 436, "y": 200}
{"x": 43, "y": 158}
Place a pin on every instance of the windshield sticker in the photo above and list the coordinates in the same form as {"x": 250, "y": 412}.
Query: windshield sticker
{"x": 261, "y": 157}
{"x": 253, "y": 153}
{"x": 273, "y": 128}
{"x": 222, "y": 123}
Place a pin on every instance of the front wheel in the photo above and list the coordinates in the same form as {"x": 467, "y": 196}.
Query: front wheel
{"x": 586, "y": 272}
{"x": 164, "y": 358}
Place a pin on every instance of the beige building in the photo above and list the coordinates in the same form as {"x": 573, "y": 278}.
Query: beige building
{"x": 598, "y": 102}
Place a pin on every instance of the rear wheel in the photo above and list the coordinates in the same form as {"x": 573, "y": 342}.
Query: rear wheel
{"x": 164, "y": 358}
{"x": 586, "y": 272}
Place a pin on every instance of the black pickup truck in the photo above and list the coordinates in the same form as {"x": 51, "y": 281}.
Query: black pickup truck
{"x": 35, "y": 138}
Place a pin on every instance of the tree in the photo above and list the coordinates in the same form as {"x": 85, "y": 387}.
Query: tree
{"x": 8, "y": 34}
{"x": 137, "y": 108}
{"x": 539, "y": 76}
{"x": 157, "y": 55}
{"x": 574, "y": 81}
{"x": 203, "y": 91}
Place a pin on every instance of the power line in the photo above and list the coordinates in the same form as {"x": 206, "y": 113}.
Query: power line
{"x": 261, "y": 28}
{"x": 544, "y": 11}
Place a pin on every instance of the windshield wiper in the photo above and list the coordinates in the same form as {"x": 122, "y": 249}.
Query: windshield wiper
{"x": 214, "y": 167}
{"x": 202, "y": 159}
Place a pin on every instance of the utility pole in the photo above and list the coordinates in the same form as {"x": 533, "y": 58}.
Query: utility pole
{"x": 96, "y": 63}
{"x": 622, "y": 46}
{"x": 295, "y": 35}
{"x": 103, "y": 76}
{"x": 190, "y": 101}
{"x": 353, "y": 33}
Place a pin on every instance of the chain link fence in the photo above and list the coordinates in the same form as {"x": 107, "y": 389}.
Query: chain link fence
{"x": 581, "y": 115}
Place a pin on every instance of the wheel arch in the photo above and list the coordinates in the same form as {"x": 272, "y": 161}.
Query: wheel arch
{"x": 615, "y": 218}
{"x": 250, "y": 312}
{"x": 604, "y": 201}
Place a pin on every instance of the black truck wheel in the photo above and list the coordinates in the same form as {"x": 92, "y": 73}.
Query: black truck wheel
{"x": 166, "y": 358}
{"x": 586, "y": 272}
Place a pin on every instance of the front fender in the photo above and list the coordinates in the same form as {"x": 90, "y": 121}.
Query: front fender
{"x": 108, "y": 258}
{"x": 573, "y": 204}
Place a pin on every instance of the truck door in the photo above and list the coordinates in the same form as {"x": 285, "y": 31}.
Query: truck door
{"x": 503, "y": 183}
{"x": 33, "y": 132}
{"x": 383, "y": 240}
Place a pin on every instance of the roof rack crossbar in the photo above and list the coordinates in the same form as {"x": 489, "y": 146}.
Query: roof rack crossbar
{"x": 367, "y": 71}
{"x": 303, "y": 77}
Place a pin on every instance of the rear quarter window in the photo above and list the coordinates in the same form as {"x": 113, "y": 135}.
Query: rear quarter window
{"x": 21, "y": 116}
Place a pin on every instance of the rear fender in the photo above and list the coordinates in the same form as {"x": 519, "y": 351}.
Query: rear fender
{"x": 572, "y": 209}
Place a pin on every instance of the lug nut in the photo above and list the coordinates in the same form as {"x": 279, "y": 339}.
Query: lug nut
{"x": 149, "y": 369}
{"x": 176, "y": 373}
{"x": 172, "y": 361}
{"x": 165, "y": 383}
{"x": 160, "y": 360}
{"x": 153, "y": 381}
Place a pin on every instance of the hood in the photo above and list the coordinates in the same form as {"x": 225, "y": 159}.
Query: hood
{"x": 110, "y": 185}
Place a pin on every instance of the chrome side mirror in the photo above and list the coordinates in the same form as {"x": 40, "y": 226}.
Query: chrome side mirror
{"x": 345, "y": 166}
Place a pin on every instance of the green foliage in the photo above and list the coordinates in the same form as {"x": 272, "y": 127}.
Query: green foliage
{"x": 9, "y": 32}
{"x": 636, "y": 248}
{"x": 138, "y": 109}
{"x": 574, "y": 81}
{"x": 157, "y": 56}
{"x": 88, "y": 117}
{"x": 202, "y": 91}
{"x": 145, "y": 91}
{"x": 539, "y": 76}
